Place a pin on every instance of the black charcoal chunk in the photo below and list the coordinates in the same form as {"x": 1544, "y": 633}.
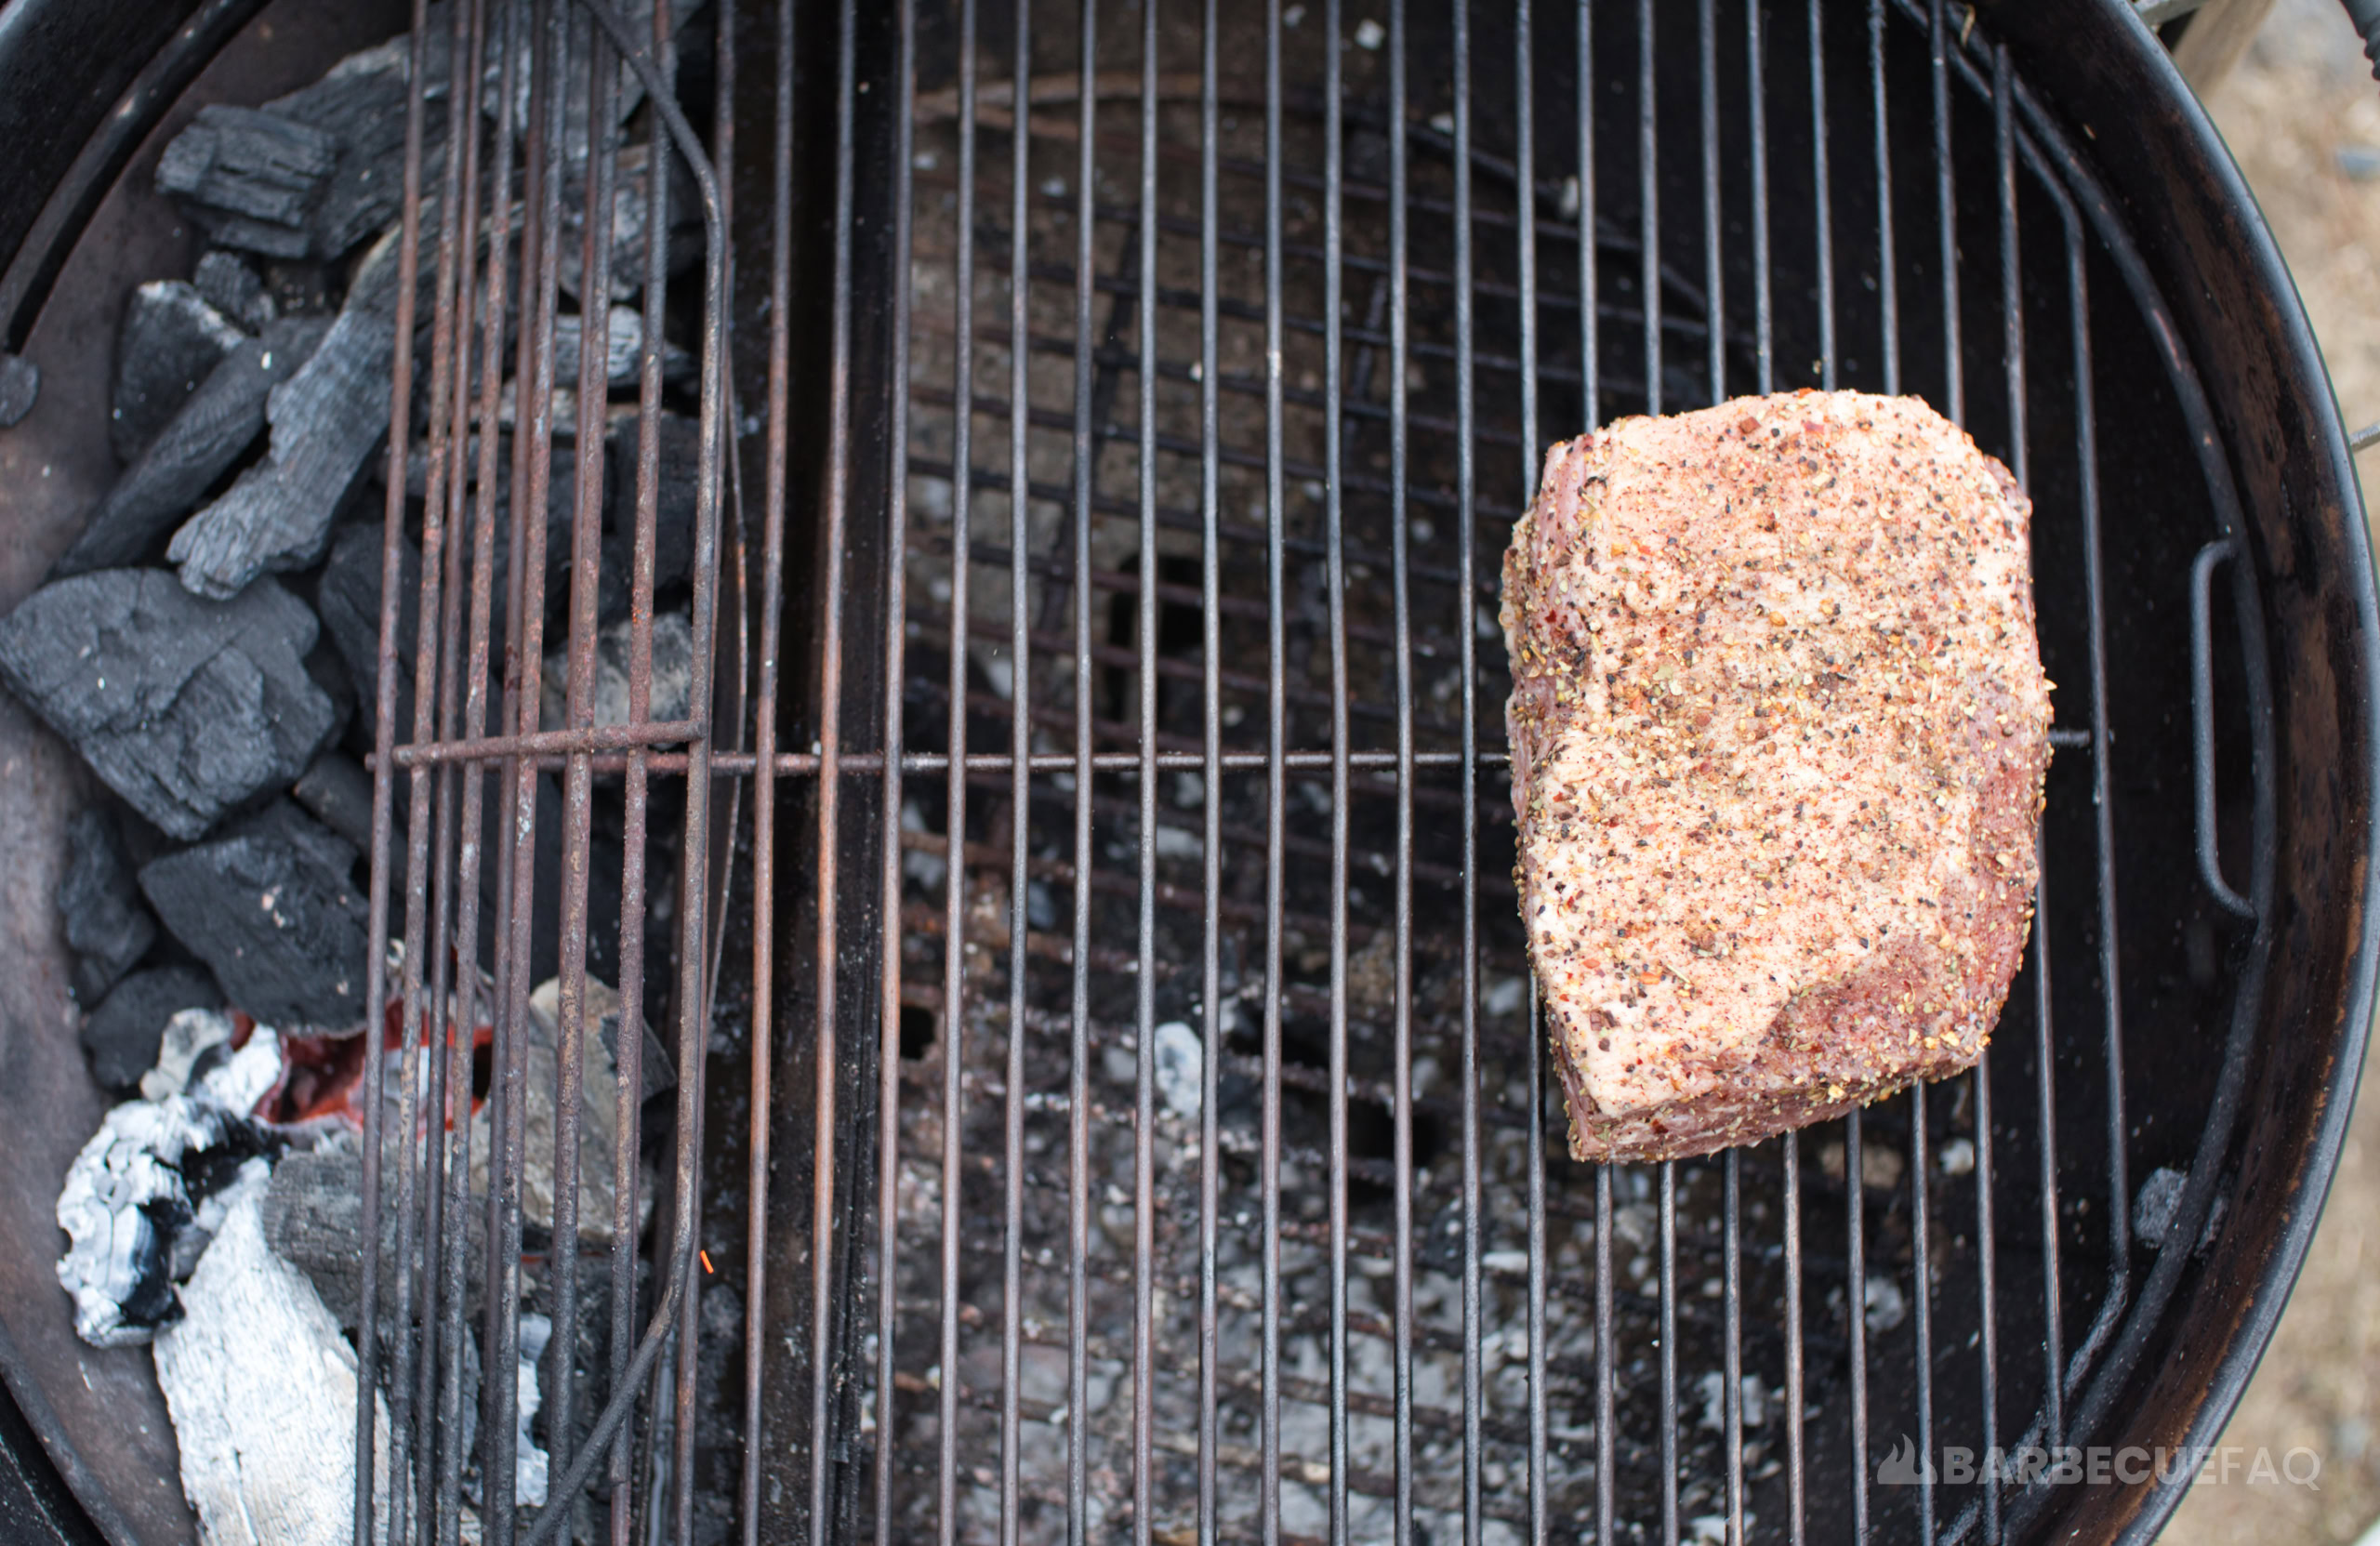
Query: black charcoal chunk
{"x": 170, "y": 341}
{"x": 20, "y": 386}
{"x": 348, "y": 598}
{"x": 120, "y": 1037}
{"x": 209, "y": 432}
{"x": 184, "y": 706}
{"x": 236, "y": 290}
{"x": 360, "y": 106}
{"x": 623, "y": 351}
{"x": 273, "y": 910}
{"x": 325, "y": 420}
{"x": 677, "y": 469}
{"x": 106, "y": 925}
{"x": 337, "y": 791}
{"x": 250, "y": 177}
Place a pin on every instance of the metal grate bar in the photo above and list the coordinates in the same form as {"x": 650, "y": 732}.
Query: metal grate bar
{"x": 1400, "y": 452}
{"x": 1020, "y": 802}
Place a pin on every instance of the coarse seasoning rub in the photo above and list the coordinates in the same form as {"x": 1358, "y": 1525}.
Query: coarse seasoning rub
{"x": 1779, "y": 727}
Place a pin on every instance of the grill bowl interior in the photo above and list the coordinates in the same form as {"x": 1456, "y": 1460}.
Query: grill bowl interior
{"x": 2205, "y": 414}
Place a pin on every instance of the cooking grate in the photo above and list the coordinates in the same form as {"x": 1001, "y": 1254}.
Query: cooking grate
{"x": 1175, "y": 1133}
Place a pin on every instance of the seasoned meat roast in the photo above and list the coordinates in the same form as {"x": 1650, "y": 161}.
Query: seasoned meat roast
{"x": 1779, "y": 727}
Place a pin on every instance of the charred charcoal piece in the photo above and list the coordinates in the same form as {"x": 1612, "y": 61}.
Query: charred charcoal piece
{"x": 234, "y": 289}
{"x": 631, "y": 213}
{"x": 599, "y": 1115}
{"x": 148, "y": 1191}
{"x": 348, "y": 598}
{"x": 170, "y": 341}
{"x": 673, "y": 527}
{"x": 250, "y": 177}
{"x": 266, "y": 1454}
{"x": 337, "y": 791}
{"x": 623, "y": 350}
{"x": 274, "y": 912}
{"x": 20, "y": 386}
{"x": 121, "y": 1036}
{"x": 219, "y": 422}
{"x": 186, "y": 707}
{"x": 327, "y": 419}
{"x": 360, "y": 105}
{"x": 314, "y": 1218}
{"x": 106, "y": 926}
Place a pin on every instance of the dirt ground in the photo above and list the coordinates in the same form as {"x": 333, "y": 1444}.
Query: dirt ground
{"x": 2301, "y": 115}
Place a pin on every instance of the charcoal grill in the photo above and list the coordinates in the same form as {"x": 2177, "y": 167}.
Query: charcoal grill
{"x": 1122, "y": 1113}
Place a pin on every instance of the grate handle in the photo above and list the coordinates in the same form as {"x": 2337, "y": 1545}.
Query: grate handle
{"x": 2209, "y": 859}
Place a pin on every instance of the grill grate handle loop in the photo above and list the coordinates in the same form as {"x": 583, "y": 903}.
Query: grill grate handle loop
{"x": 2210, "y": 858}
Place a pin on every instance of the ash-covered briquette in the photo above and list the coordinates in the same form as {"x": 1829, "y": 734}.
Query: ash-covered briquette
{"x": 187, "y": 709}
{"x": 171, "y": 339}
{"x": 325, "y": 420}
{"x": 107, "y": 927}
{"x": 273, "y": 910}
{"x": 121, "y": 1035}
{"x": 208, "y": 433}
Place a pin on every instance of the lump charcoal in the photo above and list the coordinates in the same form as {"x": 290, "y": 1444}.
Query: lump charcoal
{"x": 121, "y": 1036}
{"x": 186, "y": 707}
{"x": 170, "y": 341}
{"x": 106, "y": 926}
{"x": 313, "y": 1219}
{"x": 623, "y": 350}
{"x": 234, "y": 289}
{"x": 358, "y": 104}
{"x": 673, "y": 527}
{"x": 266, "y": 1457}
{"x": 325, "y": 420}
{"x": 347, "y": 599}
{"x": 599, "y": 1115}
{"x": 250, "y": 177}
{"x": 274, "y": 912}
{"x": 144, "y": 1178}
{"x": 337, "y": 791}
{"x": 20, "y": 386}
{"x": 631, "y": 214}
{"x": 205, "y": 436}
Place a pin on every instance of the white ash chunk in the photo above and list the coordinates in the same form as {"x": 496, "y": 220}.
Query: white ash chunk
{"x": 142, "y": 1200}
{"x": 529, "y": 1464}
{"x": 263, "y": 1389}
{"x": 1180, "y": 1069}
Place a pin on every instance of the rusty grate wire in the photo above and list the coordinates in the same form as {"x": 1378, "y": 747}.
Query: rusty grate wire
{"x": 1140, "y": 995}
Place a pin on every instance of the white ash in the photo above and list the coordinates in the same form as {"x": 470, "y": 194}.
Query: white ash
{"x": 137, "y": 1206}
{"x": 2154, "y": 1206}
{"x": 1886, "y": 1305}
{"x": 673, "y": 674}
{"x": 530, "y": 1465}
{"x": 263, "y": 1389}
{"x": 1181, "y": 1068}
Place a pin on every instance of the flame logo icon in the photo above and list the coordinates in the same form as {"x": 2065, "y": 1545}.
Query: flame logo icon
{"x": 1904, "y": 1466}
